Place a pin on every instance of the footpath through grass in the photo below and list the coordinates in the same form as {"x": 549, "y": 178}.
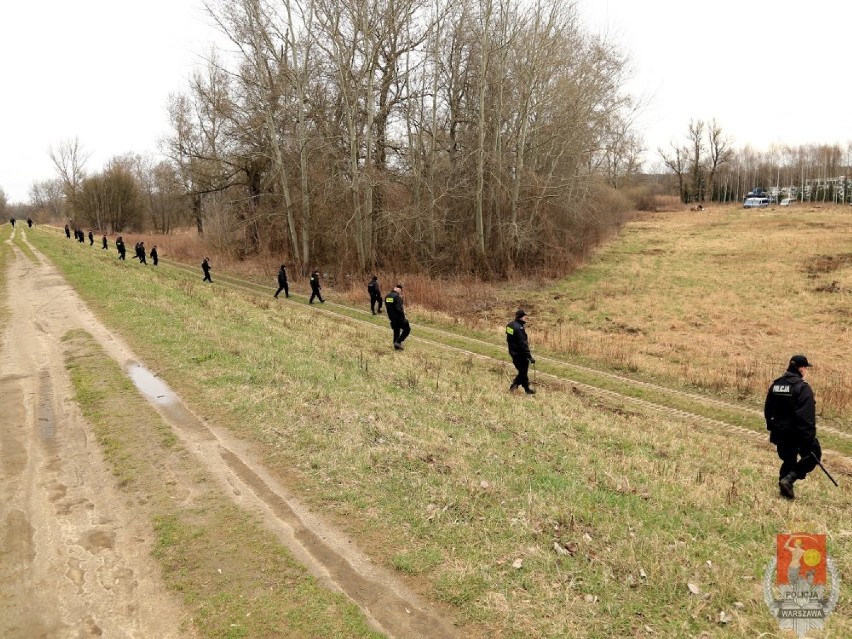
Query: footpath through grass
{"x": 234, "y": 576}
{"x": 554, "y": 516}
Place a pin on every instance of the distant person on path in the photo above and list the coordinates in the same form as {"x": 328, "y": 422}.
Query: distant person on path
{"x": 205, "y": 266}
{"x": 30, "y": 222}
{"x": 68, "y": 231}
{"x": 12, "y": 221}
{"x": 790, "y": 412}
{"x": 91, "y": 239}
{"x": 396, "y": 316}
{"x": 155, "y": 257}
{"x": 140, "y": 252}
{"x": 81, "y": 237}
{"x": 315, "y": 288}
{"x": 519, "y": 351}
{"x": 282, "y": 282}
{"x": 119, "y": 245}
{"x": 104, "y": 242}
{"x": 375, "y": 292}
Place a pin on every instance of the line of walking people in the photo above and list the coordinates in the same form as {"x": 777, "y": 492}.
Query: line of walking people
{"x": 141, "y": 253}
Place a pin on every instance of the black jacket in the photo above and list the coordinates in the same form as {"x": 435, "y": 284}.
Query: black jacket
{"x": 315, "y": 282}
{"x": 394, "y": 307}
{"x": 516, "y": 338}
{"x": 790, "y": 407}
{"x": 282, "y": 277}
{"x": 374, "y": 289}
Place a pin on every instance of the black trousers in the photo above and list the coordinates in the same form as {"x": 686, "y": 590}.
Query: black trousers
{"x": 522, "y": 378}
{"x": 207, "y": 277}
{"x": 315, "y": 294}
{"x": 795, "y": 452}
{"x": 401, "y": 330}
{"x": 283, "y": 287}
{"x": 373, "y": 300}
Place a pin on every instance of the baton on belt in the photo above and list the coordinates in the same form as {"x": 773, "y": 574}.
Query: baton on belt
{"x": 827, "y": 474}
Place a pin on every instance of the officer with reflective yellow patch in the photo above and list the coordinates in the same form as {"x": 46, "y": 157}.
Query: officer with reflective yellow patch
{"x": 396, "y": 315}
{"x": 519, "y": 351}
{"x": 790, "y": 412}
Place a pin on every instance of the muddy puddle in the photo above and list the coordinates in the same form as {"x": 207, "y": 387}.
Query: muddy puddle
{"x": 164, "y": 399}
{"x": 149, "y": 385}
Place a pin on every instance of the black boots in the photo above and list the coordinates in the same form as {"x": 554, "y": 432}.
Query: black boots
{"x": 785, "y": 485}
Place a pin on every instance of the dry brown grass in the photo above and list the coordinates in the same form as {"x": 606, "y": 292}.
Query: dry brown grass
{"x": 718, "y": 299}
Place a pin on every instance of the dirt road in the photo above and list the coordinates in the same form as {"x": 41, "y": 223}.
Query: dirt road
{"x": 74, "y": 562}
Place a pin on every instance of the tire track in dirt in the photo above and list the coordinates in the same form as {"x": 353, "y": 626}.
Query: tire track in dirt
{"x": 73, "y": 561}
{"x": 327, "y": 553}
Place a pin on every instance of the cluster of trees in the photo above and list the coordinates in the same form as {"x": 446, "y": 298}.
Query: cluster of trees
{"x": 707, "y": 167}
{"x": 132, "y": 192}
{"x": 482, "y": 135}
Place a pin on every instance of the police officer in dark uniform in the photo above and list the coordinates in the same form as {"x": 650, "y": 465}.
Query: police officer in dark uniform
{"x": 396, "y": 315}
{"x": 105, "y": 243}
{"x": 119, "y": 245}
{"x": 30, "y": 222}
{"x": 283, "y": 285}
{"x": 91, "y": 238}
{"x": 155, "y": 257}
{"x": 519, "y": 351}
{"x": 315, "y": 288}
{"x": 790, "y": 412}
{"x": 375, "y": 292}
{"x": 140, "y": 253}
{"x": 68, "y": 231}
{"x": 12, "y": 222}
{"x": 205, "y": 266}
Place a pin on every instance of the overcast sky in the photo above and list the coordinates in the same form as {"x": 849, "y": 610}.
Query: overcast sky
{"x": 102, "y": 70}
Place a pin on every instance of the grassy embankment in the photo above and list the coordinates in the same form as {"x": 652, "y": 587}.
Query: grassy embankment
{"x": 552, "y": 516}
{"x": 235, "y": 578}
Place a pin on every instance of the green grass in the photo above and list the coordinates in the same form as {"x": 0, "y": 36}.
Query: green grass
{"x": 5, "y": 256}
{"x": 437, "y": 472}
{"x": 234, "y": 577}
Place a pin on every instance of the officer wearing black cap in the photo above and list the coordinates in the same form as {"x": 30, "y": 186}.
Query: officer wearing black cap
{"x": 396, "y": 315}
{"x": 519, "y": 351}
{"x": 790, "y": 413}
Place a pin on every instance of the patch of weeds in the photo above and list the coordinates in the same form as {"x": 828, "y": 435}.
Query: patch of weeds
{"x": 416, "y": 562}
{"x": 459, "y": 589}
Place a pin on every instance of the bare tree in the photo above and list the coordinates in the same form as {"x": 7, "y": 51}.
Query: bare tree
{"x": 70, "y": 159}
{"x": 696, "y": 169}
{"x": 676, "y": 160}
{"x": 49, "y": 196}
{"x": 720, "y": 152}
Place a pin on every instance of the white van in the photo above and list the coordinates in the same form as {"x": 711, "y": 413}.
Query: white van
{"x": 756, "y": 202}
